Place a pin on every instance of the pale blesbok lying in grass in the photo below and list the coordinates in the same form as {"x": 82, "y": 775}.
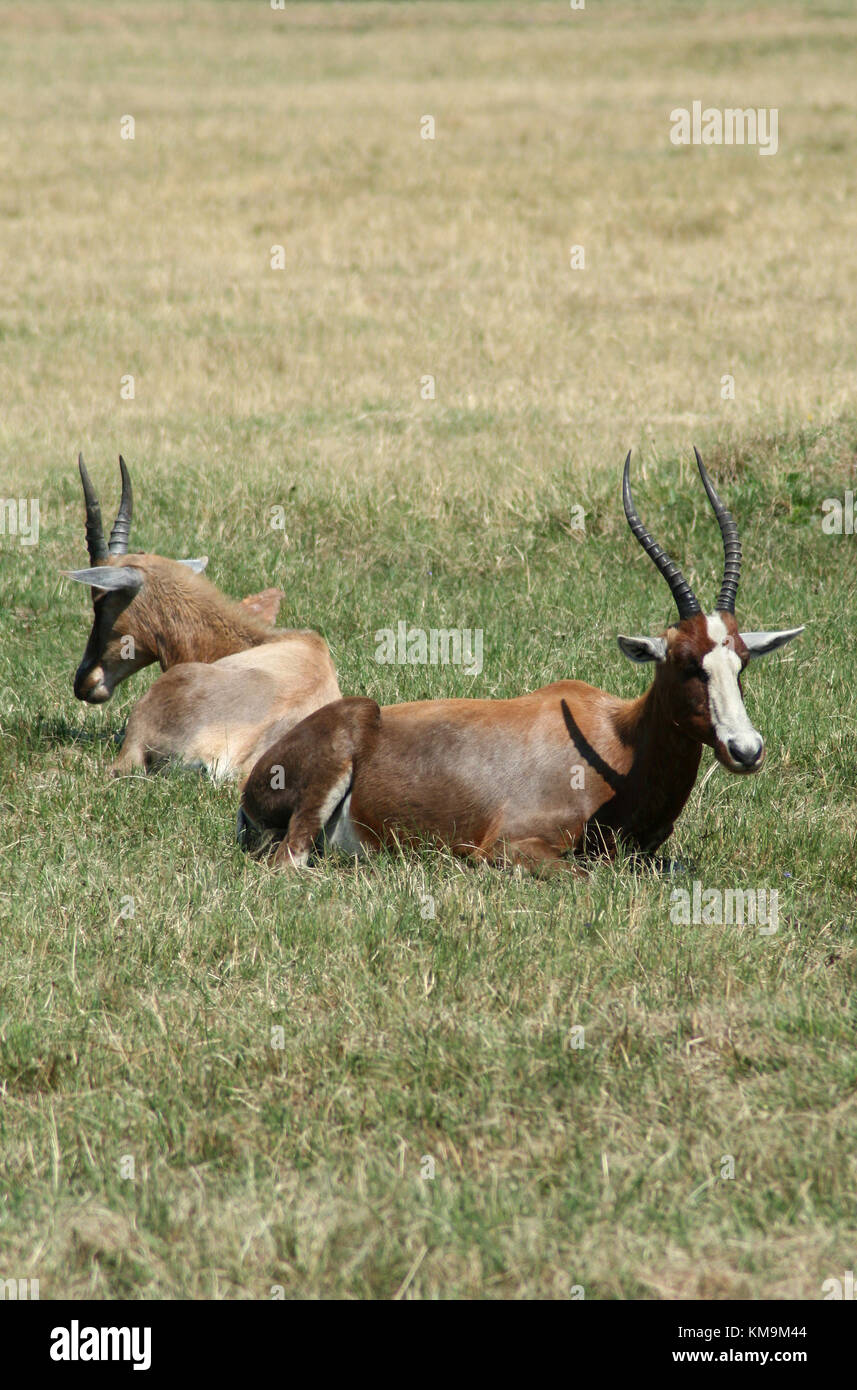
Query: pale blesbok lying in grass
{"x": 232, "y": 683}
{"x": 537, "y": 780}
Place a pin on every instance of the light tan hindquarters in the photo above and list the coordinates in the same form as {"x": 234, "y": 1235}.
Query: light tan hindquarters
{"x": 222, "y": 716}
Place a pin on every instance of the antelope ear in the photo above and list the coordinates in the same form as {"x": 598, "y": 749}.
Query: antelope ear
{"x": 108, "y": 577}
{"x": 760, "y": 643}
{"x": 642, "y": 649}
{"x": 196, "y": 565}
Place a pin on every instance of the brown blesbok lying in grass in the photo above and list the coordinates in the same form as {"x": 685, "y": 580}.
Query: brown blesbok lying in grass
{"x": 537, "y": 780}
{"x": 231, "y": 683}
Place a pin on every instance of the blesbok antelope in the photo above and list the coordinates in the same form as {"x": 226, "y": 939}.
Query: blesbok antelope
{"x": 231, "y": 682}
{"x": 536, "y": 780}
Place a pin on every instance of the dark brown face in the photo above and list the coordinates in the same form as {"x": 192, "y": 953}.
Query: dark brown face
{"x": 704, "y": 662}
{"x": 114, "y": 650}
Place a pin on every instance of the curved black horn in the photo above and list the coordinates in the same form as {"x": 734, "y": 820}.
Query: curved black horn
{"x": 686, "y": 600}
{"x": 731, "y": 543}
{"x": 95, "y": 542}
{"x": 118, "y": 544}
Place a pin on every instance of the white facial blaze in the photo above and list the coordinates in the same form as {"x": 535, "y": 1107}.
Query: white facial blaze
{"x": 729, "y": 718}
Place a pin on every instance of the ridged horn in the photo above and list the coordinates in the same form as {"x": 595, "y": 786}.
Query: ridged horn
{"x": 118, "y": 543}
{"x": 731, "y": 543}
{"x": 95, "y": 542}
{"x": 686, "y": 600}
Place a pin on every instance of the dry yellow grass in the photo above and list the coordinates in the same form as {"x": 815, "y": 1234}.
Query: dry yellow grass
{"x": 407, "y": 257}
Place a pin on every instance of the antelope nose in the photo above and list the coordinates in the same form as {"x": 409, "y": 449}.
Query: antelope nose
{"x": 746, "y": 754}
{"x": 89, "y": 685}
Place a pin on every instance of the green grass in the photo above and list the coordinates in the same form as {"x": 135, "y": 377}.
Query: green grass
{"x": 427, "y": 1007}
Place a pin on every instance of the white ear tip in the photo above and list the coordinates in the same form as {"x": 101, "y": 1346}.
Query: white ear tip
{"x": 80, "y": 576}
{"x": 108, "y": 577}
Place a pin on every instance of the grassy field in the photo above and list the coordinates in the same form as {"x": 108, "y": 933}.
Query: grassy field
{"x": 428, "y": 1008}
